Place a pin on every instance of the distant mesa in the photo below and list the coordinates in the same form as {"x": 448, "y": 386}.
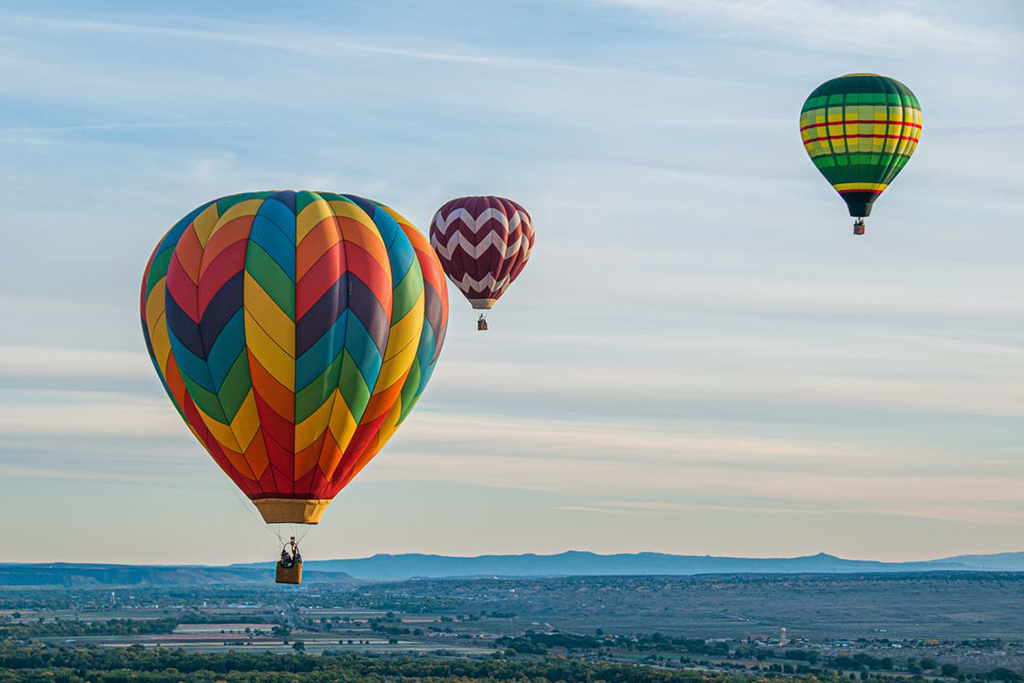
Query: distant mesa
{"x": 413, "y": 565}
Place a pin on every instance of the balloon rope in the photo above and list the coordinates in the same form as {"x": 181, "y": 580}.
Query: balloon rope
{"x": 247, "y": 504}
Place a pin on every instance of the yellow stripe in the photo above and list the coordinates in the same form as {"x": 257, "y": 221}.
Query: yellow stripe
{"x": 352, "y": 211}
{"x": 250, "y": 207}
{"x": 156, "y": 325}
{"x": 161, "y": 344}
{"x": 401, "y": 349}
{"x": 343, "y": 426}
{"x": 275, "y": 322}
{"x": 841, "y": 187}
{"x": 204, "y": 223}
{"x": 220, "y": 431}
{"x": 246, "y": 422}
{"x": 239, "y": 434}
{"x": 310, "y": 429}
{"x": 271, "y": 356}
{"x": 310, "y": 217}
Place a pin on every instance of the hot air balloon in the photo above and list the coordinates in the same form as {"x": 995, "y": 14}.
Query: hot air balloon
{"x": 483, "y": 243}
{"x": 860, "y": 131}
{"x": 293, "y": 332}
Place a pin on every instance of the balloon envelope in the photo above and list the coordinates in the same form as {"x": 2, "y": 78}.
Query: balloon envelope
{"x": 860, "y": 131}
{"x": 293, "y": 331}
{"x": 484, "y": 244}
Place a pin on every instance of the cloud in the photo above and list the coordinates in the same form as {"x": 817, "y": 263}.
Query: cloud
{"x": 47, "y": 413}
{"x": 741, "y": 471}
{"x": 972, "y": 513}
{"x": 280, "y": 38}
{"x": 865, "y": 27}
{"x": 41, "y": 362}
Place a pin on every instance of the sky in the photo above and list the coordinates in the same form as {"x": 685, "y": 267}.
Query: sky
{"x": 700, "y": 357}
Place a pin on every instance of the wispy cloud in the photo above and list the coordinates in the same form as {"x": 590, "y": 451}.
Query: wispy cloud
{"x": 36, "y": 132}
{"x": 41, "y": 362}
{"x": 44, "y": 413}
{"x": 893, "y": 27}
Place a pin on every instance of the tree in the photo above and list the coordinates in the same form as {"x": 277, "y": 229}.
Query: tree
{"x": 927, "y": 663}
{"x": 950, "y": 669}
{"x": 299, "y": 646}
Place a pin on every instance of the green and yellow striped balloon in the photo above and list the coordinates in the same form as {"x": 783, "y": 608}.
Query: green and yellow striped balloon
{"x": 860, "y": 131}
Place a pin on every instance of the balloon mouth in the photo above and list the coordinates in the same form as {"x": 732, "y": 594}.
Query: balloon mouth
{"x": 859, "y": 203}
{"x": 291, "y": 510}
{"x": 484, "y": 304}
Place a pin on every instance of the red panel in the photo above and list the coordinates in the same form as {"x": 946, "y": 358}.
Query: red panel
{"x": 228, "y": 264}
{"x": 319, "y": 278}
{"x": 181, "y": 288}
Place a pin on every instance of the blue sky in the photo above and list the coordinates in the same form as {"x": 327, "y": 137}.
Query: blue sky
{"x": 700, "y": 357}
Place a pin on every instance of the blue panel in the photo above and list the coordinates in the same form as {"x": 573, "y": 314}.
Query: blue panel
{"x": 225, "y": 350}
{"x": 190, "y": 364}
{"x": 309, "y": 365}
{"x": 361, "y": 347}
{"x": 274, "y": 240}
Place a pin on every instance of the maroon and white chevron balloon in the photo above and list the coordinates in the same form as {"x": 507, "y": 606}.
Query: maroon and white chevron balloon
{"x": 483, "y": 243}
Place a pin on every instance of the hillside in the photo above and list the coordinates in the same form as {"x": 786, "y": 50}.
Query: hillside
{"x": 576, "y": 563}
{"x": 96, "y": 575}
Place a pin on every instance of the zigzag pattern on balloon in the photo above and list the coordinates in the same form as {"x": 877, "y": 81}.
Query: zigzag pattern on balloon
{"x": 488, "y": 284}
{"x": 492, "y": 239}
{"x": 286, "y": 327}
{"x": 475, "y": 223}
{"x": 483, "y": 244}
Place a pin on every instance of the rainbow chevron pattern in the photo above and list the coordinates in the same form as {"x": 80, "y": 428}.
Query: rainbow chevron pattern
{"x": 484, "y": 244}
{"x": 860, "y": 131}
{"x": 293, "y": 332}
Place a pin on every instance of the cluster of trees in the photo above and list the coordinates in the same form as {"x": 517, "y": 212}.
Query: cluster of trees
{"x": 539, "y": 643}
{"x": 162, "y": 665}
{"x": 389, "y": 625}
{"x": 862, "y": 661}
{"x": 99, "y": 598}
{"x": 22, "y": 664}
{"x": 69, "y": 628}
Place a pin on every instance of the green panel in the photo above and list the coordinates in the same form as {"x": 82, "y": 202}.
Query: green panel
{"x": 207, "y": 402}
{"x": 159, "y": 268}
{"x": 353, "y": 388}
{"x": 412, "y": 383}
{"x": 407, "y": 292}
{"x": 225, "y": 203}
{"x": 304, "y": 199}
{"x": 309, "y": 399}
{"x": 274, "y": 281}
{"x": 236, "y": 386}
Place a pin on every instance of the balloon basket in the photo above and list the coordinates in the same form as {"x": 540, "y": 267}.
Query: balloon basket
{"x": 289, "y": 573}
{"x": 481, "y": 325}
{"x": 858, "y": 227}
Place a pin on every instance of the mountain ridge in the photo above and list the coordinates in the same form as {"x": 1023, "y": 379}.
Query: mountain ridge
{"x": 405, "y": 566}
{"x": 386, "y": 566}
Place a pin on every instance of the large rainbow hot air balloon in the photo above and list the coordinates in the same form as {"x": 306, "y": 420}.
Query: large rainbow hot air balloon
{"x": 484, "y": 243}
{"x": 860, "y": 131}
{"x": 293, "y": 332}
